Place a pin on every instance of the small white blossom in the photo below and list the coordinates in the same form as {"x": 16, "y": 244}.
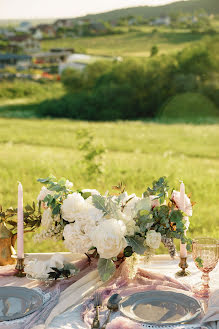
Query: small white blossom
{"x": 68, "y": 184}
{"x": 153, "y": 239}
{"x": 47, "y": 219}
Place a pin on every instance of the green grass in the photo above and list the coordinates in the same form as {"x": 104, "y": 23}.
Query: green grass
{"x": 137, "y": 153}
{"x": 129, "y": 44}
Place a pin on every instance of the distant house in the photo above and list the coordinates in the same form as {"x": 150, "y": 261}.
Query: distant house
{"x": 132, "y": 21}
{"x": 64, "y": 23}
{"x": 97, "y": 27}
{"x": 14, "y": 60}
{"x": 166, "y": 20}
{"x": 23, "y": 27}
{"x": 47, "y": 30}
{"x": 51, "y": 57}
{"x": 24, "y": 42}
{"x": 57, "y": 50}
{"x": 36, "y": 33}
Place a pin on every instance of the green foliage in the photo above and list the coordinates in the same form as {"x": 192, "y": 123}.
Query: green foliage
{"x": 159, "y": 189}
{"x": 32, "y": 217}
{"x": 192, "y": 105}
{"x": 101, "y": 90}
{"x": 106, "y": 268}
{"x": 92, "y": 153}
{"x": 137, "y": 244}
{"x": 154, "y": 51}
{"x": 55, "y": 200}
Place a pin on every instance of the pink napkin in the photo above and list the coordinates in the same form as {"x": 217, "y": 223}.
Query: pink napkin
{"x": 143, "y": 281}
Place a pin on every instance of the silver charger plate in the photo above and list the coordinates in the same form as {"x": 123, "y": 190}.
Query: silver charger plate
{"x": 17, "y": 302}
{"x": 160, "y": 307}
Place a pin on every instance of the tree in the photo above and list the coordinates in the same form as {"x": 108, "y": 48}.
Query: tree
{"x": 154, "y": 51}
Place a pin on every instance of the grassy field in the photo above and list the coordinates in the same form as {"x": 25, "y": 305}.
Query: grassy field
{"x": 129, "y": 44}
{"x": 137, "y": 153}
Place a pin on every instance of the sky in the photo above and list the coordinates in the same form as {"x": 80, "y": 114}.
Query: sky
{"x": 27, "y": 9}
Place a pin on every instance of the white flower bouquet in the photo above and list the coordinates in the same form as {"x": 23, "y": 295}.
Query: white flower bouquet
{"x": 111, "y": 227}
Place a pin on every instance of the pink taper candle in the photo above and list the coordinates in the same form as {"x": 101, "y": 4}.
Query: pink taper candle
{"x": 20, "y": 223}
{"x": 183, "y": 250}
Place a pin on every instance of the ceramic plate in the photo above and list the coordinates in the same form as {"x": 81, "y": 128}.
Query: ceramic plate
{"x": 17, "y": 302}
{"x": 160, "y": 307}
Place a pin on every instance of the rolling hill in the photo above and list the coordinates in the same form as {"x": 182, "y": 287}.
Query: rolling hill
{"x": 211, "y": 6}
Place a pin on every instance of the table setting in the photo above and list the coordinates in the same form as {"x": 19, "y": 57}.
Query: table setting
{"x": 111, "y": 278}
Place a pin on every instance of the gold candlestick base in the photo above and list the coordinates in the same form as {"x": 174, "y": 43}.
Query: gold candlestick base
{"x": 20, "y": 268}
{"x": 183, "y": 264}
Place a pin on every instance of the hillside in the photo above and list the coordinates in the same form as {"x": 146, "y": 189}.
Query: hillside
{"x": 211, "y": 6}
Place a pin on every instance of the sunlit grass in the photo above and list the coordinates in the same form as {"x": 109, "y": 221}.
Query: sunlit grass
{"x": 137, "y": 153}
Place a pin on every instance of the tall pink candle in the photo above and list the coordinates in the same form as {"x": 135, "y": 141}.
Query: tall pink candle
{"x": 20, "y": 223}
{"x": 183, "y": 250}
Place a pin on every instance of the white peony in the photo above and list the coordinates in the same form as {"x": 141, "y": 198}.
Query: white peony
{"x": 108, "y": 238}
{"x": 47, "y": 219}
{"x": 76, "y": 238}
{"x": 43, "y": 193}
{"x": 188, "y": 205}
{"x": 75, "y": 208}
{"x": 92, "y": 192}
{"x": 153, "y": 239}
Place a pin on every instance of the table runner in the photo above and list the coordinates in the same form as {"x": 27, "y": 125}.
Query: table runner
{"x": 71, "y": 318}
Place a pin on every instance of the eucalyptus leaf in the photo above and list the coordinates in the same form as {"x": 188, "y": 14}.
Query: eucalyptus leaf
{"x": 106, "y": 268}
{"x": 100, "y": 203}
{"x": 143, "y": 204}
{"x": 137, "y": 244}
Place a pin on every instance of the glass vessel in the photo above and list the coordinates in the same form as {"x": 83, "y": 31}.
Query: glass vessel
{"x": 205, "y": 256}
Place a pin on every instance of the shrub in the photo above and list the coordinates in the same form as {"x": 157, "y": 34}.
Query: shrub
{"x": 189, "y": 106}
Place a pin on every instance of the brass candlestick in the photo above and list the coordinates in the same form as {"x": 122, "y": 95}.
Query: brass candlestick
{"x": 20, "y": 268}
{"x": 183, "y": 265}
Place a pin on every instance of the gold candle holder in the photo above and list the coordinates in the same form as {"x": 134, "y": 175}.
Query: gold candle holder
{"x": 183, "y": 265}
{"x": 20, "y": 268}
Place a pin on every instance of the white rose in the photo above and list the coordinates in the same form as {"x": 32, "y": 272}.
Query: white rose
{"x": 188, "y": 205}
{"x": 68, "y": 184}
{"x": 153, "y": 239}
{"x": 47, "y": 219}
{"x": 108, "y": 238}
{"x": 76, "y": 238}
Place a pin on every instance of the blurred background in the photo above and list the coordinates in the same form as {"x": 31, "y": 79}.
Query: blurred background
{"x": 100, "y": 93}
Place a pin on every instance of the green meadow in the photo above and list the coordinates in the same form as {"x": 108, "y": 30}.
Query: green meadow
{"x": 136, "y": 41}
{"x": 136, "y": 153}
